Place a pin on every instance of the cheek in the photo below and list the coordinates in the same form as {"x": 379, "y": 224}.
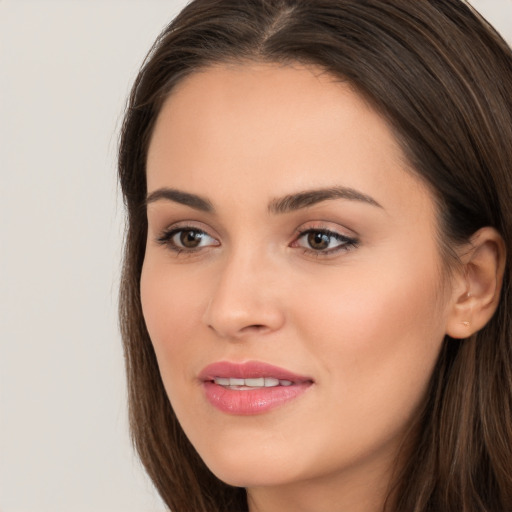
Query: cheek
{"x": 171, "y": 305}
{"x": 368, "y": 306}
{"x": 377, "y": 337}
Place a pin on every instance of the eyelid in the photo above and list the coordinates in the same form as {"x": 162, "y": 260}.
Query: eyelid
{"x": 165, "y": 236}
{"x": 327, "y": 226}
{"x": 347, "y": 241}
{"x": 190, "y": 224}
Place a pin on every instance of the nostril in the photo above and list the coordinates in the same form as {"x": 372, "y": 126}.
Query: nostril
{"x": 248, "y": 329}
{"x": 254, "y": 327}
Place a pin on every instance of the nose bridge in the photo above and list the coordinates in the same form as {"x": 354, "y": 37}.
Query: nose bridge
{"x": 244, "y": 298}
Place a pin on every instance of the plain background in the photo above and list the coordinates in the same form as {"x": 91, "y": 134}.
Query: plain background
{"x": 65, "y": 71}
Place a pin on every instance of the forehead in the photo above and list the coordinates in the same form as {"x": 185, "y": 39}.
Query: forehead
{"x": 267, "y": 130}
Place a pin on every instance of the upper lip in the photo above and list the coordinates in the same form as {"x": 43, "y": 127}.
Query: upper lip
{"x": 249, "y": 370}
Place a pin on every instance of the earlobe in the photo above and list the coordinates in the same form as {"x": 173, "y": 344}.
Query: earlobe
{"x": 477, "y": 286}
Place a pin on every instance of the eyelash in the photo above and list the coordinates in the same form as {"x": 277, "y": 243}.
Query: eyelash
{"x": 166, "y": 239}
{"x": 345, "y": 243}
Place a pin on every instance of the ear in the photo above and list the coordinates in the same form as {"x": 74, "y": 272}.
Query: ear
{"x": 477, "y": 283}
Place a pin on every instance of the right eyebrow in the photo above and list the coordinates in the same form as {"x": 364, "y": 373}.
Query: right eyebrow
{"x": 177, "y": 196}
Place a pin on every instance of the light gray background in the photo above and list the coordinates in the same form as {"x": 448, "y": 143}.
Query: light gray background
{"x": 65, "y": 70}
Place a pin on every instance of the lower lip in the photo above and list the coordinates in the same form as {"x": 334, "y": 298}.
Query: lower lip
{"x": 252, "y": 401}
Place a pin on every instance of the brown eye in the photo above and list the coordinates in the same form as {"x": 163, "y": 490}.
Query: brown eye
{"x": 324, "y": 242}
{"x": 318, "y": 240}
{"x": 187, "y": 240}
{"x": 190, "y": 239}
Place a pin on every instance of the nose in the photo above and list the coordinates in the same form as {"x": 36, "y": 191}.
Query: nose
{"x": 245, "y": 299}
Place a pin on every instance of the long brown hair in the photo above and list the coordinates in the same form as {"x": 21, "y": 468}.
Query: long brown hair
{"x": 442, "y": 77}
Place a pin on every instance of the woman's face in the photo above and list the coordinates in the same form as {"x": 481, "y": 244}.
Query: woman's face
{"x": 285, "y": 230}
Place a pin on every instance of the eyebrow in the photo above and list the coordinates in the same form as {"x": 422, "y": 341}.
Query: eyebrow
{"x": 309, "y": 198}
{"x": 286, "y": 204}
{"x": 177, "y": 196}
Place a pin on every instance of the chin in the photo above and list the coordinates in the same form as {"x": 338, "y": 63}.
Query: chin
{"x": 249, "y": 477}
{"x": 250, "y": 470}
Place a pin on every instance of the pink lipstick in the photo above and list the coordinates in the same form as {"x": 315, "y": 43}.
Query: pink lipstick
{"x": 250, "y": 388}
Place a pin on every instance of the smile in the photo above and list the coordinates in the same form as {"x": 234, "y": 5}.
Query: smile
{"x": 247, "y": 384}
{"x": 250, "y": 388}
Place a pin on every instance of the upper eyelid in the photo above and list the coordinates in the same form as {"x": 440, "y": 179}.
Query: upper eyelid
{"x": 332, "y": 228}
{"x": 173, "y": 230}
{"x": 187, "y": 224}
{"x": 329, "y": 232}
{"x": 327, "y": 226}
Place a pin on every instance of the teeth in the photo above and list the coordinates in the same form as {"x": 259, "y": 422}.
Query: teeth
{"x": 267, "y": 382}
{"x": 253, "y": 383}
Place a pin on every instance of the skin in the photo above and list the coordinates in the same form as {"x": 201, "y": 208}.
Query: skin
{"x": 365, "y": 322}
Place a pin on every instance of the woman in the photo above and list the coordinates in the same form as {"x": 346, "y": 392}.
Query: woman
{"x": 315, "y": 300}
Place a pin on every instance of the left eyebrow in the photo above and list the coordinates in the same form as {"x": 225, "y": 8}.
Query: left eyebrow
{"x": 309, "y": 198}
{"x": 178, "y": 196}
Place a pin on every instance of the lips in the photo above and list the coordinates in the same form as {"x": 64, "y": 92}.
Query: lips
{"x": 250, "y": 388}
